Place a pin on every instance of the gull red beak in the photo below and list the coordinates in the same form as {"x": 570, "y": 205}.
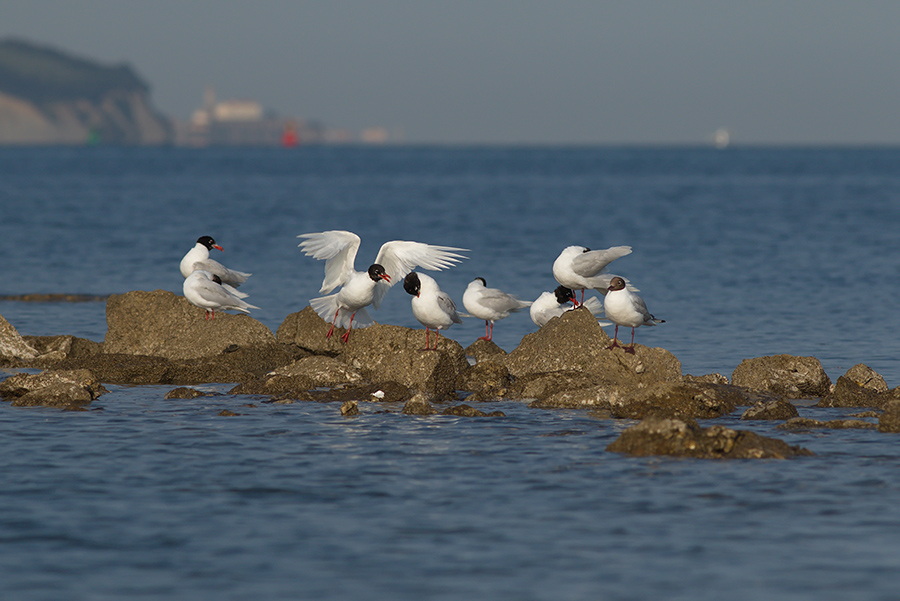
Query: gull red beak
{"x": 385, "y": 277}
{"x": 217, "y": 247}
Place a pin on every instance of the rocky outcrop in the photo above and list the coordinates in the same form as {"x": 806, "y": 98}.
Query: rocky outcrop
{"x": 576, "y": 343}
{"x": 161, "y": 324}
{"x": 685, "y": 438}
{"x": 890, "y": 419}
{"x": 783, "y": 375}
{"x": 861, "y": 386}
{"x": 49, "y": 97}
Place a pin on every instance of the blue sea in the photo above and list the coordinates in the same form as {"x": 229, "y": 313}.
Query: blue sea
{"x": 744, "y": 252}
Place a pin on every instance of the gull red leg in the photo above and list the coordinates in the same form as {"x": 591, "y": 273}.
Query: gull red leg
{"x": 333, "y": 321}
{"x": 630, "y": 349}
{"x": 346, "y": 335}
{"x": 615, "y": 341}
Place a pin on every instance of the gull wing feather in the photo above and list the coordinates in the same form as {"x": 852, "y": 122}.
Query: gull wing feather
{"x": 447, "y": 305}
{"x": 338, "y": 249}
{"x": 592, "y": 262}
{"x": 215, "y": 294}
{"x": 497, "y": 300}
{"x": 399, "y": 257}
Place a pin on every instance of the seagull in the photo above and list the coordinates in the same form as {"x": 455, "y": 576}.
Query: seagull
{"x": 552, "y": 304}
{"x": 363, "y": 288}
{"x": 430, "y": 305}
{"x": 624, "y": 308}
{"x": 490, "y": 304}
{"x": 578, "y": 267}
{"x": 206, "y": 290}
{"x": 198, "y": 258}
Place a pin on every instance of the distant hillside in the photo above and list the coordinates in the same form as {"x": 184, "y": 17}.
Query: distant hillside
{"x": 50, "y": 97}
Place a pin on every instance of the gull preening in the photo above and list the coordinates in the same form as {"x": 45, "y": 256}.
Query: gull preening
{"x": 207, "y": 291}
{"x": 360, "y": 289}
{"x": 430, "y": 305}
{"x": 198, "y": 259}
{"x": 553, "y": 304}
{"x": 625, "y": 308}
{"x": 579, "y": 267}
{"x": 490, "y": 304}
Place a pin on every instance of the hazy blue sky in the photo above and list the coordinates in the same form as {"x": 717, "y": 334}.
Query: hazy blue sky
{"x": 474, "y": 71}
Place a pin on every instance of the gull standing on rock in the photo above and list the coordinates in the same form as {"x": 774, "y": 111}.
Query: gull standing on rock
{"x": 198, "y": 258}
{"x": 490, "y": 304}
{"x": 578, "y": 267}
{"x": 430, "y": 305}
{"x": 206, "y": 290}
{"x": 553, "y": 304}
{"x": 624, "y": 308}
{"x": 360, "y": 289}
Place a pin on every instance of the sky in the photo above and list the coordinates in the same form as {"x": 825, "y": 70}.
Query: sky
{"x": 799, "y": 72}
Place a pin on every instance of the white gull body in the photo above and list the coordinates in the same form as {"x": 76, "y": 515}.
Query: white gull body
{"x": 490, "y": 304}
{"x": 360, "y": 289}
{"x": 625, "y": 308}
{"x": 198, "y": 259}
{"x": 431, "y": 306}
{"x": 205, "y": 290}
{"x": 553, "y": 304}
{"x": 578, "y": 267}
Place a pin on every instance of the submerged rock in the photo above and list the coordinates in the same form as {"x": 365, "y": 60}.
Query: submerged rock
{"x": 469, "y": 411}
{"x": 784, "y": 375}
{"x": 771, "y": 410}
{"x": 890, "y": 419}
{"x": 59, "y": 388}
{"x": 419, "y": 404}
{"x": 685, "y": 438}
{"x": 161, "y": 324}
{"x": 804, "y": 423}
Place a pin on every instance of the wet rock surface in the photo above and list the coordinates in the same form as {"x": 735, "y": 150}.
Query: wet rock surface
{"x": 784, "y": 375}
{"x": 805, "y": 423}
{"x": 685, "y": 438}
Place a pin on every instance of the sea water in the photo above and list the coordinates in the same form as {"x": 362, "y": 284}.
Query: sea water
{"x": 744, "y": 253}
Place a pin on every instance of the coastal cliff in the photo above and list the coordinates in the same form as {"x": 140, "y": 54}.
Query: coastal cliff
{"x": 49, "y": 97}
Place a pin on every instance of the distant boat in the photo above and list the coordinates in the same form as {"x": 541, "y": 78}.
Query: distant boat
{"x": 721, "y": 138}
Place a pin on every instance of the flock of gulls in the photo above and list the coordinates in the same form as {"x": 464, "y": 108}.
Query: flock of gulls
{"x": 211, "y": 286}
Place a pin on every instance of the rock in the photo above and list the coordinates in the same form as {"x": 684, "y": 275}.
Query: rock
{"x": 602, "y": 396}
{"x": 575, "y": 342}
{"x": 678, "y": 400}
{"x": 307, "y": 330}
{"x": 482, "y": 350}
{"x": 771, "y": 410}
{"x": 184, "y": 393}
{"x": 13, "y": 347}
{"x": 54, "y": 349}
{"x": 867, "y": 377}
{"x": 685, "y": 438}
{"x": 419, "y": 404}
{"x": 320, "y": 371}
{"x": 715, "y": 378}
{"x": 890, "y": 419}
{"x": 350, "y": 408}
{"x": 392, "y": 353}
{"x": 228, "y": 413}
{"x": 542, "y": 386}
{"x": 784, "y": 375}
{"x": 161, "y": 324}
{"x": 848, "y": 393}
{"x": 59, "y": 388}
{"x": 469, "y": 411}
{"x": 804, "y": 423}
{"x": 488, "y": 381}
